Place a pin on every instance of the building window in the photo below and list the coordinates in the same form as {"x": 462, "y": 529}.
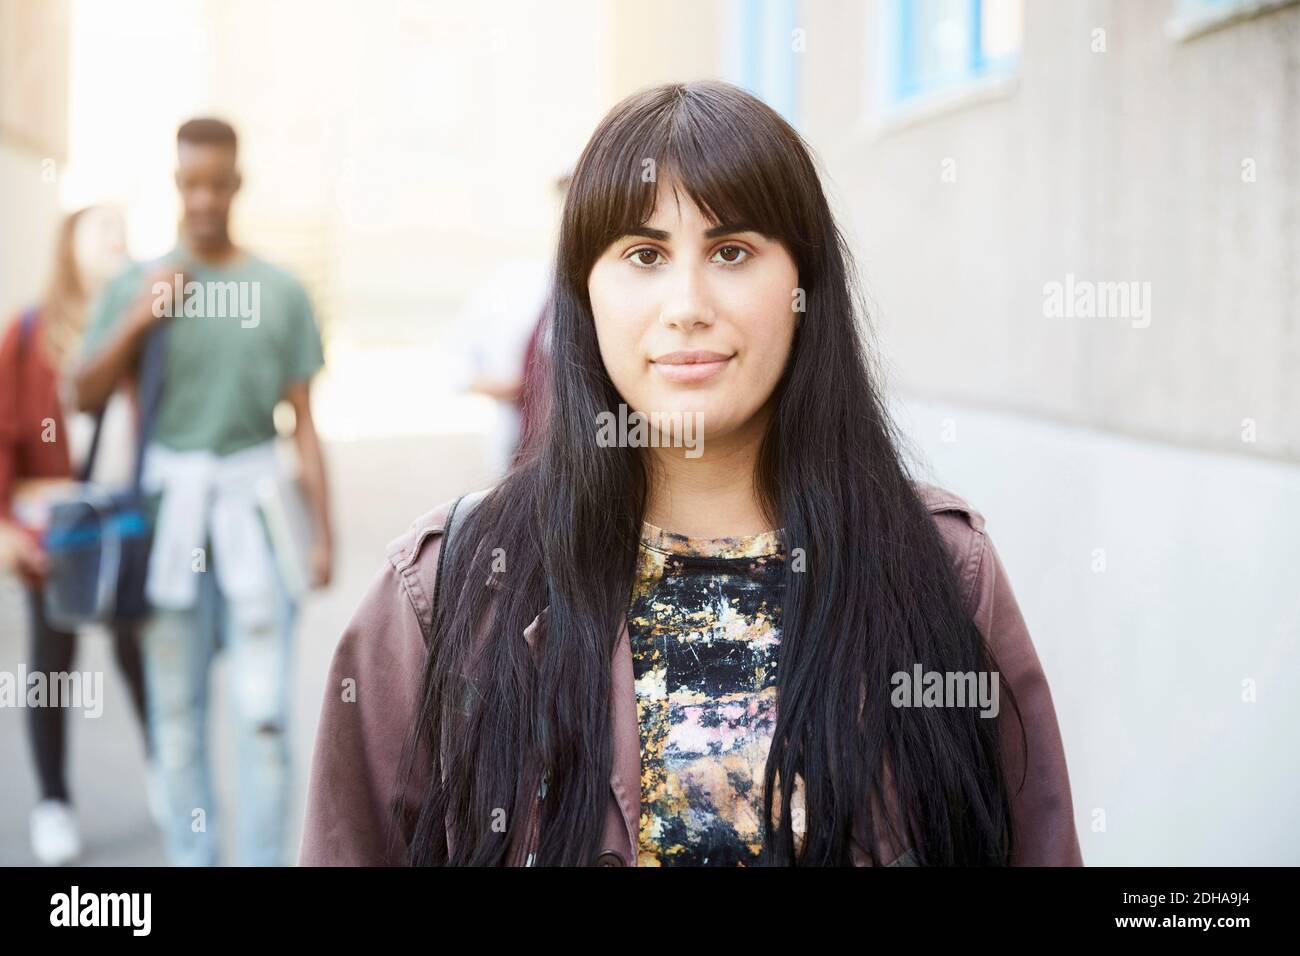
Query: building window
{"x": 765, "y": 47}
{"x": 948, "y": 46}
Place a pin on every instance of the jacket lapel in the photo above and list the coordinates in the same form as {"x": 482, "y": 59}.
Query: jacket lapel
{"x": 625, "y": 777}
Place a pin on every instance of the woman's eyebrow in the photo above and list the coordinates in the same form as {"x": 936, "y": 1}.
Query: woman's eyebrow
{"x": 729, "y": 228}
{"x": 725, "y": 229}
{"x": 648, "y": 233}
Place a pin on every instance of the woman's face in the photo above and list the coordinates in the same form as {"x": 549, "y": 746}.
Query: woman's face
{"x": 694, "y": 318}
{"x": 99, "y": 245}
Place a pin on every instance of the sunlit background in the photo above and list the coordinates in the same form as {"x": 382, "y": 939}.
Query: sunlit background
{"x": 1139, "y": 473}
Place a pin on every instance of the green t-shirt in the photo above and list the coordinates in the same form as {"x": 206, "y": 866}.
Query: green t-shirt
{"x": 232, "y": 349}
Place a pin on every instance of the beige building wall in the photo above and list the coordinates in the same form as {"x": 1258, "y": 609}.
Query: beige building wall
{"x": 1132, "y": 164}
{"x": 33, "y": 142}
{"x": 678, "y": 40}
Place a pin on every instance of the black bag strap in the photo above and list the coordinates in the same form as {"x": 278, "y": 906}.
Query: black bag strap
{"x": 461, "y": 508}
{"x": 153, "y": 372}
{"x": 149, "y": 386}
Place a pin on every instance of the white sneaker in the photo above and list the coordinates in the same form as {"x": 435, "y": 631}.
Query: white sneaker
{"x": 156, "y": 791}
{"x": 55, "y": 837}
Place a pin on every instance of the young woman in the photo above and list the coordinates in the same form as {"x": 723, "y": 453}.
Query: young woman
{"x": 41, "y": 448}
{"x": 648, "y": 654}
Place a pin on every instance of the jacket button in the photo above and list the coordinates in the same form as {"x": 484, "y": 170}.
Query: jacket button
{"x": 610, "y": 858}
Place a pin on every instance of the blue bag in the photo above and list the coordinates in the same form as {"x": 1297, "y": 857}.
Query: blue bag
{"x": 97, "y": 542}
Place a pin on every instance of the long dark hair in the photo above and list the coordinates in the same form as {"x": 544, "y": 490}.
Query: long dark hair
{"x": 877, "y": 595}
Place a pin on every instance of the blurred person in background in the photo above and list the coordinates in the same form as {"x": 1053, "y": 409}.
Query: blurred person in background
{"x": 532, "y": 407}
{"x": 503, "y": 326}
{"x": 497, "y": 322}
{"x": 43, "y": 444}
{"x": 532, "y": 391}
{"x": 243, "y": 338}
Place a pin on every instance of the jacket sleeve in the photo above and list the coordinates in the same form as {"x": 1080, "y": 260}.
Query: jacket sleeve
{"x": 1042, "y": 809}
{"x": 370, "y": 705}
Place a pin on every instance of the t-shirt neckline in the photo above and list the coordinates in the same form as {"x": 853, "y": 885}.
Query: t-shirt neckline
{"x": 760, "y": 544}
{"x": 180, "y": 253}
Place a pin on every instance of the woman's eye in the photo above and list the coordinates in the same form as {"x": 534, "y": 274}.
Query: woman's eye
{"x": 732, "y": 255}
{"x": 644, "y": 258}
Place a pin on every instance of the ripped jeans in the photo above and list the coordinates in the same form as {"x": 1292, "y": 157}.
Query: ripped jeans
{"x": 179, "y": 648}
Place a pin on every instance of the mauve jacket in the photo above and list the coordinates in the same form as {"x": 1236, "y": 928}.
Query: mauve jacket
{"x": 353, "y": 783}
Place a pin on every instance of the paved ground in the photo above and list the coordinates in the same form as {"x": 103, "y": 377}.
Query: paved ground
{"x": 380, "y": 485}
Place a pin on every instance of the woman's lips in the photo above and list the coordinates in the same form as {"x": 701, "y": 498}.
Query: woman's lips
{"x": 688, "y": 368}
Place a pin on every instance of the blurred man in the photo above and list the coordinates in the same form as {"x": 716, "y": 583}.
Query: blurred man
{"x": 497, "y": 322}
{"x": 240, "y": 337}
{"x": 504, "y": 324}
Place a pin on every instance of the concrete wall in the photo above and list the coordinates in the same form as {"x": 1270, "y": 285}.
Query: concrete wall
{"x": 1158, "y": 581}
{"x": 1123, "y": 165}
{"x": 1159, "y": 588}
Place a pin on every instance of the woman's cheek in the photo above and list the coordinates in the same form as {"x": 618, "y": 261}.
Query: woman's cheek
{"x": 619, "y": 353}
{"x": 630, "y": 384}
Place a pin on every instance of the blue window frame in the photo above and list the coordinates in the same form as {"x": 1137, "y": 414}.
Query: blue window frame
{"x": 762, "y": 57}
{"x": 945, "y": 45}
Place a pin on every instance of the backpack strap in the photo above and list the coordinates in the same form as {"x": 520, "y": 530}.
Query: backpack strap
{"x": 461, "y": 508}
{"x": 26, "y": 325}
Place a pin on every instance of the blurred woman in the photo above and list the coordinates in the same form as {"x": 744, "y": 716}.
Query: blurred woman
{"x": 41, "y": 448}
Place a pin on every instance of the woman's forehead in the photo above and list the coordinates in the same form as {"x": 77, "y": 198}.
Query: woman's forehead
{"x": 674, "y": 206}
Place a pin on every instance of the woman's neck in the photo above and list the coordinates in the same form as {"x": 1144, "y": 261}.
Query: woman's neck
{"x": 714, "y": 495}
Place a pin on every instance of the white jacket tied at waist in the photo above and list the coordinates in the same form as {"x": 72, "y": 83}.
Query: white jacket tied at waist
{"x": 209, "y": 496}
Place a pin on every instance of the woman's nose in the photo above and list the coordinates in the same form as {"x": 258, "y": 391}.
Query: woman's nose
{"x": 687, "y": 305}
